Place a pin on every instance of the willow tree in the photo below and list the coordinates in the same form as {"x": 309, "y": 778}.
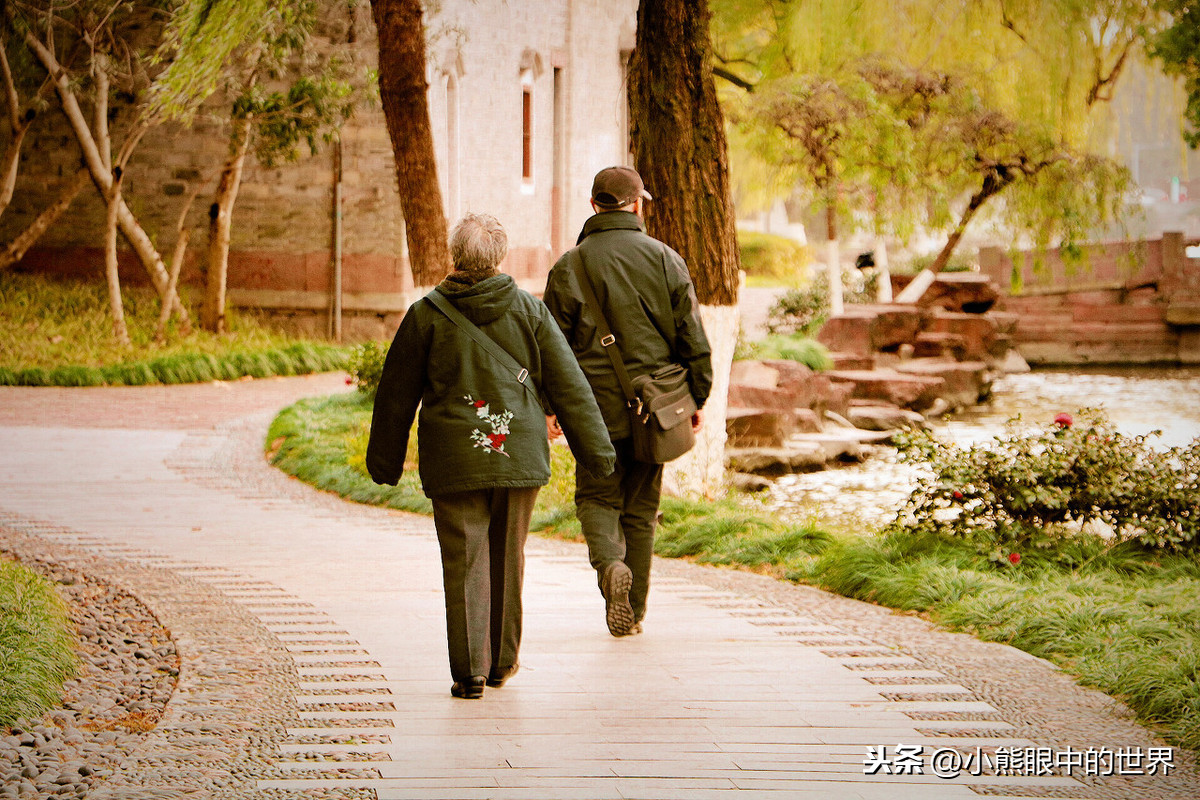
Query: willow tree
{"x": 403, "y": 90}
{"x": 1045, "y": 68}
{"x": 678, "y": 141}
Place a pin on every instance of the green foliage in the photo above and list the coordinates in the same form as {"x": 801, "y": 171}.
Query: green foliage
{"x": 366, "y": 367}
{"x": 58, "y": 333}
{"x": 201, "y": 41}
{"x": 1176, "y": 45}
{"x": 805, "y": 309}
{"x": 724, "y": 532}
{"x": 312, "y": 109}
{"x": 793, "y": 347}
{"x": 323, "y": 441}
{"x": 769, "y": 256}
{"x": 37, "y": 644}
{"x": 1117, "y": 618}
{"x": 959, "y": 262}
{"x": 1034, "y": 489}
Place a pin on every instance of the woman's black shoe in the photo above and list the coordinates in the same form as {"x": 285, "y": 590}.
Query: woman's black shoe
{"x": 470, "y": 689}
{"x": 500, "y": 675}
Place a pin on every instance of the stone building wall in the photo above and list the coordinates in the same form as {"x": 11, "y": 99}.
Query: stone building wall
{"x": 483, "y": 56}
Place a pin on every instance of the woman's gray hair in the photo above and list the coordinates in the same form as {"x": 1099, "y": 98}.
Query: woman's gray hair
{"x": 478, "y": 242}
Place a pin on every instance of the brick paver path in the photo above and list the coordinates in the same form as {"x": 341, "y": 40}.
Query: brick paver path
{"x": 739, "y": 685}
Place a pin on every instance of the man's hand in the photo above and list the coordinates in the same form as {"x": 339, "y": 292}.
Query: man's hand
{"x": 697, "y": 421}
{"x": 553, "y": 429}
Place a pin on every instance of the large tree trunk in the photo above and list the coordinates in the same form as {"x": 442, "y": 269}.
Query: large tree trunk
{"x": 678, "y": 139}
{"x": 15, "y": 250}
{"x": 220, "y": 218}
{"x": 403, "y": 90}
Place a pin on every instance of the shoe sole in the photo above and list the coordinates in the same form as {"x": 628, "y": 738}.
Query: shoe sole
{"x": 497, "y": 682}
{"x": 618, "y": 580}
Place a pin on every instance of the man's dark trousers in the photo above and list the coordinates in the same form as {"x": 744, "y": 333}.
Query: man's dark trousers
{"x": 618, "y": 515}
{"x": 482, "y": 537}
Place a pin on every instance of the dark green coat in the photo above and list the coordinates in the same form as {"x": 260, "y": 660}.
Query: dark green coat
{"x": 649, "y": 301}
{"x": 478, "y": 427}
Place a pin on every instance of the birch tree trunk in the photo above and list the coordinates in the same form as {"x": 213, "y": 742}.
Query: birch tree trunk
{"x": 403, "y": 91}
{"x": 115, "y": 303}
{"x": 678, "y": 139}
{"x": 220, "y": 219}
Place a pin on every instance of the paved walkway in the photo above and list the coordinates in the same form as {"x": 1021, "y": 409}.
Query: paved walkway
{"x": 740, "y": 685}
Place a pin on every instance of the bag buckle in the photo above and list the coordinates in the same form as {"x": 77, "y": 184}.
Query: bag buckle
{"x": 609, "y": 340}
{"x": 636, "y": 405}
{"x": 522, "y": 375}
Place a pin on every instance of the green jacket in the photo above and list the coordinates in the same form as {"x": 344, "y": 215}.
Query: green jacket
{"x": 478, "y": 427}
{"x": 650, "y": 304}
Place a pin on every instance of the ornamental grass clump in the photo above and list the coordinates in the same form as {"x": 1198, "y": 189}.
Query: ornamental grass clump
{"x": 1032, "y": 489}
{"x": 37, "y": 642}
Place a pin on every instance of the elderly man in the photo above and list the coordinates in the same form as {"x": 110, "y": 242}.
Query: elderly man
{"x": 646, "y": 296}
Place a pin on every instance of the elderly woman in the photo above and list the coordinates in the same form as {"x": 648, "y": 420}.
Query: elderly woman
{"x": 482, "y": 441}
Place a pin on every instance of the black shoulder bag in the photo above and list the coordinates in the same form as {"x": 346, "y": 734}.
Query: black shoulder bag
{"x": 660, "y": 404}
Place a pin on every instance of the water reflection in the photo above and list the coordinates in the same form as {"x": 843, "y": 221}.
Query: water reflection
{"x": 1137, "y": 400}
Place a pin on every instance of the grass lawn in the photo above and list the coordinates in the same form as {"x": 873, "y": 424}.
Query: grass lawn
{"x": 59, "y": 333}
{"x": 37, "y": 643}
{"x": 1121, "y": 620}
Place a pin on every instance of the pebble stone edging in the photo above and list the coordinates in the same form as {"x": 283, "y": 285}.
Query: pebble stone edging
{"x": 219, "y": 733}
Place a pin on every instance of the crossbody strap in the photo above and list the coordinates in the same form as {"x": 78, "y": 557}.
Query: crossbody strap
{"x": 484, "y": 341}
{"x": 607, "y": 339}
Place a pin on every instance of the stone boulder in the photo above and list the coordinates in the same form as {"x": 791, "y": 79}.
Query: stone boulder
{"x": 872, "y": 416}
{"x": 862, "y": 330}
{"x": 978, "y": 332}
{"x": 748, "y": 427}
{"x": 915, "y": 392}
{"x": 967, "y": 292}
{"x": 965, "y": 383}
{"x": 774, "y": 462}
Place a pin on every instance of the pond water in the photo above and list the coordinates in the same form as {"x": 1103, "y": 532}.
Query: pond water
{"x": 1137, "y": 400}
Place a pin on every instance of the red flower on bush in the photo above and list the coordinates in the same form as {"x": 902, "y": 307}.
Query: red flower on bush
{"x": 958, "y": 495}
{"x": 349, "y": 380}
{"x": 1063, "y": 420}
{"x": 1015, "y": 558}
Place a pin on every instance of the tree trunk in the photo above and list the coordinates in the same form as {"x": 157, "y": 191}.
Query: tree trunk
{"x": 220, "y": 218}
{"x": 678, "y": 140}
{"x": 989, "y": 189}
{"x": 924, "y": 279}
{"x": 833, "y": 258}
{"x": 120, "y": 331}
{"x": 403, "y": 92}
{"x": 16, "y": 249}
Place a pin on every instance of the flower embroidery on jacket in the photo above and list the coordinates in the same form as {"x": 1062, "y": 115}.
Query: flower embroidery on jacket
{"x": 490, "y": 442}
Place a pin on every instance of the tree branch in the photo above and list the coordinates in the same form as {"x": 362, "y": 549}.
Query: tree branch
{"x": 733, "y": 78}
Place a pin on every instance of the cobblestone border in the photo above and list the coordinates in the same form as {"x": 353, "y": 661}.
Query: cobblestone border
{"x": 235, "y": 698}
